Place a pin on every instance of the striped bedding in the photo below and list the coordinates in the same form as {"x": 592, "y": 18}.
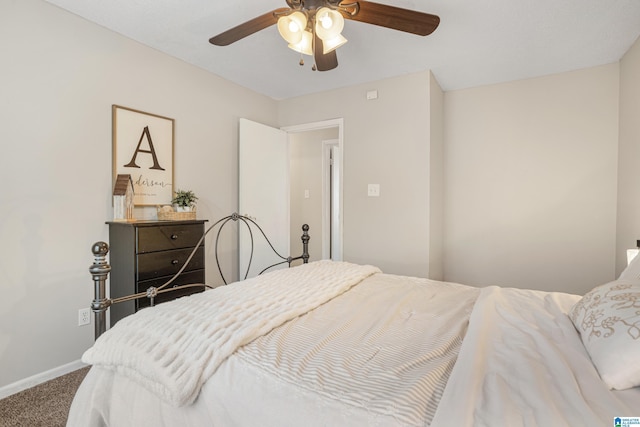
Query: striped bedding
{"x": 389, "y": 351}
{"x": 387, "y": 346}
{"x": 379, "y": 354}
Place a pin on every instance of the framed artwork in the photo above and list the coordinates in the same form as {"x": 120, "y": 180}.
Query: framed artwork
{"x": 143, "y": 148}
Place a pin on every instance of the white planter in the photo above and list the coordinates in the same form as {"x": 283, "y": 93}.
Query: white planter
{"x": 184, "y": 208}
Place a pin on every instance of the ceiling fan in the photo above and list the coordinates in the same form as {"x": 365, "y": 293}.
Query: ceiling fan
{"x": 313, "y": 27}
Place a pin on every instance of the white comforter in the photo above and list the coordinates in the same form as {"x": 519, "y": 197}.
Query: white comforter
{"x": 522, "y": 363}
{"x": 383, "y": 354}
{"x": 174, "y": 348}
{"x": 377, "y": 355}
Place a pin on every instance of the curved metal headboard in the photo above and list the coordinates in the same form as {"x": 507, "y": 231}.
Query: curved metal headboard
{"x": 247, "y": 222}
{"x": 100, "y": 269}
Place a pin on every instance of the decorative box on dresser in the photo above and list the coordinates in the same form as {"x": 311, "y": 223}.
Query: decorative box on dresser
{"x": 148, "y": 253}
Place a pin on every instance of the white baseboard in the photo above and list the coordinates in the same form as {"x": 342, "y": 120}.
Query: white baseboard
{"x": 40, "y": 378}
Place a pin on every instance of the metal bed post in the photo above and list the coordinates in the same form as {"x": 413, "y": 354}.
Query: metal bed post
{"x": 305, "y": 243}
{"x": 99, "y": 272}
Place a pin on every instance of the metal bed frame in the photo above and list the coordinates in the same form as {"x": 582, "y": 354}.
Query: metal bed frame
{"x": 100, "y": 269}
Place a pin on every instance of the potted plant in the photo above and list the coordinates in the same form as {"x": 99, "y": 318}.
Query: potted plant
{"x": 184, "y": 201}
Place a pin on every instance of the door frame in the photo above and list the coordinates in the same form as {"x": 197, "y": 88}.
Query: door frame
{"x": 331, "y": 162}
{"x": 325, "y": 124}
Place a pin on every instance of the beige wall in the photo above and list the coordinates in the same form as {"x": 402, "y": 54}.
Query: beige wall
{"x": 60, "y": 75}
{"x": 628, "y": 231}
{"x": 530, "y": 182}
{"x": 386, "y": 142}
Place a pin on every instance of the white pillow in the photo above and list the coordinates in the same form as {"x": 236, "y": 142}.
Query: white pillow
{"x": 632, "y": 271}
{"x": 608, "y": 319}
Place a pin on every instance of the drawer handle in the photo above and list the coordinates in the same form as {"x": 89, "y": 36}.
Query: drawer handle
{"x": 175, "y": 262}
{"x": 174, "y": 236}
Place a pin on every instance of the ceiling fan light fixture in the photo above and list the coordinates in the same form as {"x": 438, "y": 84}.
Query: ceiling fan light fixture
{"x": 333, "y": 44}
{"x": 305, "y": 45}
{"x": 292, "y": 26}
{"x": 314, "y": 27}
{"x": 329, "y": 23}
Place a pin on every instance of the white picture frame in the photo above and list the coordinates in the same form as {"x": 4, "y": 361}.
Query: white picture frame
{"x": 143, "y": 148}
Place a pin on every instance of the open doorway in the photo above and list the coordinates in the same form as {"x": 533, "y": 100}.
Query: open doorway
{"x": 316, "y": 186}
{"x": 267, "y": 190}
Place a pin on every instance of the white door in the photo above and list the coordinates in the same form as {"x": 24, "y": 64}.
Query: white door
{"x": 263, "y": 194}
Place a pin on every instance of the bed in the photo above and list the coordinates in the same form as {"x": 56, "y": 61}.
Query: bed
{"x": 338, "y": 344}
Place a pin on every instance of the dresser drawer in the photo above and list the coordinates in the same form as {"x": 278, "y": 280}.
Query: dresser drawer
{"x": 164, "y": 237}
{"x": 158, "y": 264}
{"x": 149, "y": 253}
{"x": 191, "y": 277}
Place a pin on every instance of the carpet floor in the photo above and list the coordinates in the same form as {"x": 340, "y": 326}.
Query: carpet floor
{"x": 45, "y": 405}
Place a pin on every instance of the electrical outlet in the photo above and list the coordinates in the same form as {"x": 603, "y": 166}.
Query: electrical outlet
{"x": 84, "y": 316}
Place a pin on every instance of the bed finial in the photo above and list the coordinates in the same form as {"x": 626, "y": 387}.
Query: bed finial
{"x": 305, "y": 243}
{"x": 99, "y": 272}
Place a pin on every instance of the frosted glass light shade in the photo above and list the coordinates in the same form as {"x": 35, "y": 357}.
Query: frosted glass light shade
{"x": 305, "y": 45}
{"x": 329, "y": 23}
{"x": 333, "y": 44}
{"x": 292, "y": 26}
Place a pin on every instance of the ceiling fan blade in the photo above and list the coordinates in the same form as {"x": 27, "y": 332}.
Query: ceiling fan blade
{"x": 252, "y": 26}
{"x": 396, "y": 18}
{"x": 324, "y": 61}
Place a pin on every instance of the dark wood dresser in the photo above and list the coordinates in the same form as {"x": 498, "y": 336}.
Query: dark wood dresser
{"x": 148, "y": 253}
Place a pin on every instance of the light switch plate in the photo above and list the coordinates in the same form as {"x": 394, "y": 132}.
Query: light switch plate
{"x": 373, "y": 190}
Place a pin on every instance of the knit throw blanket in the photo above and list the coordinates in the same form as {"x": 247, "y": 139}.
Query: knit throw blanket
{"x": 173, "y": 348}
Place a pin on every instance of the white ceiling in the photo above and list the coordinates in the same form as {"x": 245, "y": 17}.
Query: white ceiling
{"x": 477, "y": 42}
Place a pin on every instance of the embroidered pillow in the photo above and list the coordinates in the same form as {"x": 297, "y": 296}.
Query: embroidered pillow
{"x": 608, "y": 319}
